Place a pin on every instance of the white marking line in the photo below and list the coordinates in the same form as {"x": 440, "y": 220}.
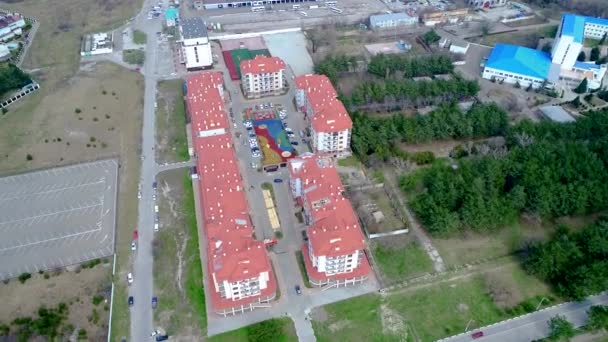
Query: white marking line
{"x": 51, "y": 214}
{"x": 50, "y": 191}
{"x": 48, "y": 240}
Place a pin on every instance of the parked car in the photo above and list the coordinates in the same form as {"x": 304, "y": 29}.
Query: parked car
{"x": 133, "y": 246}
{"x": 155, "y": 226}
{"x": 304, "y": 235}
{"x": 154, "y": 302}
{"x": 295, "y": 143}
{"x": 249, "y": 128}
{"x": 298, "y": 289}
{"x": 285, "y": 125}
{"x": 477, "y": 334}
{"x": 139, "y": 195}
{"x": 154, "y": 185}
{"x": 251, "y": 135}
{"x": 130, "y": 278}
{"x": 155, "y": 208}
{"x": 135, "y": 234}
{"x": 256, "y": 154}
{"x": 130, "y": 301}
{"x": 278, "y": 180}
{"x": 162, "y": 337}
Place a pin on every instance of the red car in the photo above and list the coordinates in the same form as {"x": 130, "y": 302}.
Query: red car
{"x": 135, "y": 235}
{"x": 477, "y": 334}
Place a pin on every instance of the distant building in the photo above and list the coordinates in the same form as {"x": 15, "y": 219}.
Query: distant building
{"x": 478, "y": 4}
{"x": 514, "y": 64}
{"x": 334, "y": 254}
{"x": 263, "y": 76}
{"x": 5, "y": 53}
{"x": 217, "y": 4}
{"x": 196, "y": 48}
{"x": 330, "y": 123}
{"x": 445, "y": 17}
{"x": 171, "y": 16}
{"x": 460, "y": 48}
{"x": 11, "y": 25}
{"x": 96, "y": 44}
{"x": 383, "y": 21}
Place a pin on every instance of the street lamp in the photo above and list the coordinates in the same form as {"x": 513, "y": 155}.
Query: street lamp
{"x": 467, "y": 327}
{"x": 540, "y": 303}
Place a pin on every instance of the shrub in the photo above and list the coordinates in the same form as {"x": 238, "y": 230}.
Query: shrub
{"x": 77, "y": 110}
{"x": 4, "y": 110}
{"x": 97, "y": 299}
{"x": 23, "y": 277}
{"x": 82, "y": 334}
{"x": 29, "y": 157}
{"x": 423, "y": 158}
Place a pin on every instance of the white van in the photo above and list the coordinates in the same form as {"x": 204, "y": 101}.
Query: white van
{"x": 295, "y": 7}
{"x": 155, "y": 208}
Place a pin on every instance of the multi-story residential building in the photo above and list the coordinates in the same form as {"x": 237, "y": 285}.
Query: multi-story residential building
{"x": 477, "y": 4}
{"x": 334, "y": 254}
{"x": 263, "y": 76}
{"x": 239, "y": 275}
{"x": 516, "y": 64}
{"x": 330, "y": 124}
{"x": 11, "y": 25}
{"x": 196, "y": 48}
{"x": 392, "y": 20}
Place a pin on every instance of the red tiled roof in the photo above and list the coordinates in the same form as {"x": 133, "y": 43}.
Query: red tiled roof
{"x": 319, "y": 177}
{"x": 261, "y": 64}
{"x": 232, "y": 252}
{"x": 330, "y": 115}
{"x": 362, "y": 269}
{"x": 204, "y": 103}
{"x": 336, "y": 230}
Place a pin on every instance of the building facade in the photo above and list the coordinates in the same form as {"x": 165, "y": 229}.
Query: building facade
{"x": 384, "y": 21}
{"x": 96, "y": 44}
{"x": 239, "y": 274}
{"x": 334, "y": 254}
{"x": 263, "y": 76}
{"x": 519, "y": 65}
{"x": 196, "y": 48}
{"x": 330, "y": 124}
{"x": 479, "y": 4}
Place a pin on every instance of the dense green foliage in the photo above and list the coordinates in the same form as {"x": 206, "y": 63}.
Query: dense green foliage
{"x": 396, "y": 94}
{"x": 270, "y": 330}
{"x": 581, "y": 56}
{"x": 333, "y": 65}
{"x": 11, "y": 77}
{"x": 576, "y": 264}
{"x": 551, "y": 169}
{"x": 431, "y": 37}
{"x": 595, "y": 54}
{"x": 560, "y": 329}
{"x": 377, "y": 135}
{"x": 47, "y": 324}
{"x": 582, "y": 87}
{"x": 385, "y": 65}
{"x": 598, "y": 317}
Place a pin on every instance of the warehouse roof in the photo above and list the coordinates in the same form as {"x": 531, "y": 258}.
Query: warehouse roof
{"x": 574, "y": 25}
{"x": 520, "y": 60}
{"x": 557, "y": 114}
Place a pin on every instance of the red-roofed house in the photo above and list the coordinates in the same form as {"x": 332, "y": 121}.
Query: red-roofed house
{"x": 263, "y": 76}
{"x": 330, "y": 123}
{"x": 335, "y": 252}
{"x": 239, "y": 274}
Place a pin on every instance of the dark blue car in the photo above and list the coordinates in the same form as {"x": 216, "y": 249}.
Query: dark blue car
{"x": 278, "y": 180}
{"x": 154, "y": 302}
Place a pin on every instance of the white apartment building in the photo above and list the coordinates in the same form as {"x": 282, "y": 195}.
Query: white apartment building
{"x": 330, "y": 124}
{"x": 196, "y": 48}
{"x": 263, "y": 76}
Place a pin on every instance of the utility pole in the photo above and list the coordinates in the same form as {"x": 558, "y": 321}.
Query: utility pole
{"x": 540, "y": 303}
{"x": 467, "y": 327}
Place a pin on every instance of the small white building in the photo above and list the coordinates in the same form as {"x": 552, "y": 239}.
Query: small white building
{"x": 96, "y": 44}
{"x": 11, "y": 25}
{"x": 460, "y": 48}
{"x": 383, "y": 21}
{"x": 196, "y": 47}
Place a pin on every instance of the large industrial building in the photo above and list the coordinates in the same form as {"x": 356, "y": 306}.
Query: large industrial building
{"x": 263, "y": 76}
{"x": 334, "y": 254}
{"x": 330, "y": 124}
{"x": 196, "y": 48}
{"x": 516, "y": 64}
{"x": 239, "y": 273}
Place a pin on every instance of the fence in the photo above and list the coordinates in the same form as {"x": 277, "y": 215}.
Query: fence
{"x": 28, "y": 89}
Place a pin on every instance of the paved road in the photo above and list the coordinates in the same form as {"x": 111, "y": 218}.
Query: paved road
{"x": 533, "y": 326}
{"x": 143, "y": 286}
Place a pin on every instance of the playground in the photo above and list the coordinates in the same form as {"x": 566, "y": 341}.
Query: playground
{"x": 274, "y": 143}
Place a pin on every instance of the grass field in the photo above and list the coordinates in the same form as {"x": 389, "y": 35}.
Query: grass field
{"x": 430, "y": 312}
{"x": 351, "y": 161}
{"x": 139, "y": 37}
{"x": 400, "y": 258}
{"x": 171, "y": 138}
{"x": 288, "y": 333}
{"x": 177, "y": 265}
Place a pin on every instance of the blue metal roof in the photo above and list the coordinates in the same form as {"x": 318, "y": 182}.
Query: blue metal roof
{"x": 376, "y": 19}
{"x": 574, "y": 25}
{"x": 586, "y": 66}
{"x": 171, "y": 13}
{"x": 520, "y": 60}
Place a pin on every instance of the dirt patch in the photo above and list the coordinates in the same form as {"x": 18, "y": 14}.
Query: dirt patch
{"x": 319, "y": 314}
{"x": 439, "y": 148}
{"x": 375, "y": 210}
{"x": 392, "y": 322}
{"x": 76, "y": 290}
{"x": 503, "y": 289}
{"x": 339, "y": 325}
{"x": 171, "y": 138}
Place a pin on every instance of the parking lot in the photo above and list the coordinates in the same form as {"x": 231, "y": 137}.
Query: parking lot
{"x": 57, "y": 217}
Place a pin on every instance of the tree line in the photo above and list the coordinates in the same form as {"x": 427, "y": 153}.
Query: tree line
{"x": 550, "y": 169}
{"x": 574, "y": 263}
{"x": 332, "y": 66}
{"x": 397, "y": 94}
{"x": 378, "y": 135}
{"x": 11, "y": 77}
{"x": 384, "y": 66}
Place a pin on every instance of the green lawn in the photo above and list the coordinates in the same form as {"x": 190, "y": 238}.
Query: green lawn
{"x": 275, "y": 330}
{"x": 136, "y": 57}
{"x": 399, "y": 263}
{"x": 171, "y": 134}
{"x": 349, "y": 161}
{"x": 139, "y": 37}
{"x": 180, "y": 308}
